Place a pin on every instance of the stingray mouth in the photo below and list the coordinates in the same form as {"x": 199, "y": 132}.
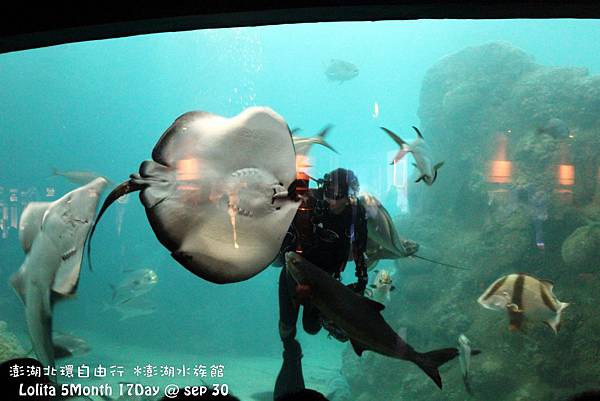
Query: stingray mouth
{"x": 253, "y": 192}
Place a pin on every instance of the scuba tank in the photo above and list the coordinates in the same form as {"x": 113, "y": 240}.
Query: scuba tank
{"x": 303, "y": 220}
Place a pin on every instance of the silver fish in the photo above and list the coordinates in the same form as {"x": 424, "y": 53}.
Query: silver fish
{"x": 135, "y": 283}
{"x": 134, "y": 307}
{"x": 524, "y": 298}
{"x": 464, "y": 357}
{"x": 421, "y": 153}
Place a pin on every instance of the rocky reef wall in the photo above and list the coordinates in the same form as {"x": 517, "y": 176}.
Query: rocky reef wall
{"x": 534, "y": 220}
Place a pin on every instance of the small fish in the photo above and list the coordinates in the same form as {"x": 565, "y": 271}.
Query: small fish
{"x": 464, "y": 357}
{"x": 133, "y": 307}
{"x": 525, "y": 298}
{"x": 67, "y": 345}
{"x": 421, "y": 153}
{"x": 382, "y": 286}
{"x": 341, "y": 71}
{"x": 135, "y": 283}
{"x": 79, "y": 177}
{"x": 303, "y": 144}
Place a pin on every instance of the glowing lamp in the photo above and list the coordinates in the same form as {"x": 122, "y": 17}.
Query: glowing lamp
{"x": 500, "y": 172}
{"x": 500, "y": 169}
{"x": 302, "y": 163}
{"x": 566, "y": 174}
{"x": 188, "y": 169}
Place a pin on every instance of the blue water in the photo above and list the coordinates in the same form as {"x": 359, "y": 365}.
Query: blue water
{"x": 102, "y": 105}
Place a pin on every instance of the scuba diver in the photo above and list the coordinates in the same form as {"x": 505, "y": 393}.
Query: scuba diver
{"x": 330, "y": 225}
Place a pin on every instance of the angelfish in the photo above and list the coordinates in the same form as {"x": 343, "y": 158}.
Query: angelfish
{"x": 524, "y": 298}
{"x": 421, "y": 153}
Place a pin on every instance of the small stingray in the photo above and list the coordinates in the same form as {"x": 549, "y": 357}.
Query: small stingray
{"x": 216, "y": 192}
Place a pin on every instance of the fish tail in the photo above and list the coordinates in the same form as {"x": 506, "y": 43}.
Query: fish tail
{"x": 429, "y": 362}
{"x": 467, "y": 385}
{"x": 122, "y": 189}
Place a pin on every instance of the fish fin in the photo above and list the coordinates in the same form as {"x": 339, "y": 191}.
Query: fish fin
{"x": 377, "y": 305}
{"x": 67, "y": 275}
{"x": 392, "y": 288}
{"x": 555, "y": 322}
{"x": 418, "y": 132}
{"x": 358, "y": 347}
{"x": 30, "y": 224}
{"x": 395, "y": 137}
{"x": 429, "y": 362}
{"x": 293, "y": 131}
{"x": 438, "y": 166}
{"x": 475, "y": 351}
{"x": 467, "y": 385}
{"x": 18, "y": 283}
{"x": 420, "y": 178}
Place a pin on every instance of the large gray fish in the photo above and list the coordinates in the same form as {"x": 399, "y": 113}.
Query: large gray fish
{"x": 216, "y": 192}
{"x": 304, "y": 143}
{"x": 524, "y": 298}
{"x": 360, "y": 318}
{"x": 421, "y": 153}
{"x": 340, "y": 71}
{"x": 79, "y": 177}
{"x": 135, "y": 283}
{"x": 52, "y": 236}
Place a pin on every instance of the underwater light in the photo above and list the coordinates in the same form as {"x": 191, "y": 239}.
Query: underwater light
{"x": 500, "y": 171}
{"x": 566, "y": 174}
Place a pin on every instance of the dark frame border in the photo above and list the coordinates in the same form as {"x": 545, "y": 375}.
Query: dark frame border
{"x": 28, "y": 26}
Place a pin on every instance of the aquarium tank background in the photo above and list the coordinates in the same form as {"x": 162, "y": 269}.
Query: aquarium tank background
{"x": 512, "y": 108}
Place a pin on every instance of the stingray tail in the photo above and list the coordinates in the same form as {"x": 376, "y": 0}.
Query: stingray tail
{"x": 429, "y": 362}
{"x": 122, "y": 189}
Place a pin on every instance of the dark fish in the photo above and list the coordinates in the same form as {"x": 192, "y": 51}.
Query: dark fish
{"x": 360, "y": 318}
{"x": 341, "y": 71}
{"x": 555, "y": 127}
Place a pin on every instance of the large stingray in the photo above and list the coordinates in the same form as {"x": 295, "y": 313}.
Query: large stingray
{"x": 216, "y": 192}
{"x": 52, "y": 235}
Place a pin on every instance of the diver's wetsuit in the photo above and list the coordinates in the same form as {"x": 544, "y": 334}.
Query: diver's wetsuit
{"x": 310, "y": 236}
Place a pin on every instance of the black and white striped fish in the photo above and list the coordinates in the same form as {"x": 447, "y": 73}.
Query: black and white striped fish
{"x": 525, "y": 298}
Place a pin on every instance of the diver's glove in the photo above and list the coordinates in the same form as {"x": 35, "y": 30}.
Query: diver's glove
{"x": 409, "y": 247}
